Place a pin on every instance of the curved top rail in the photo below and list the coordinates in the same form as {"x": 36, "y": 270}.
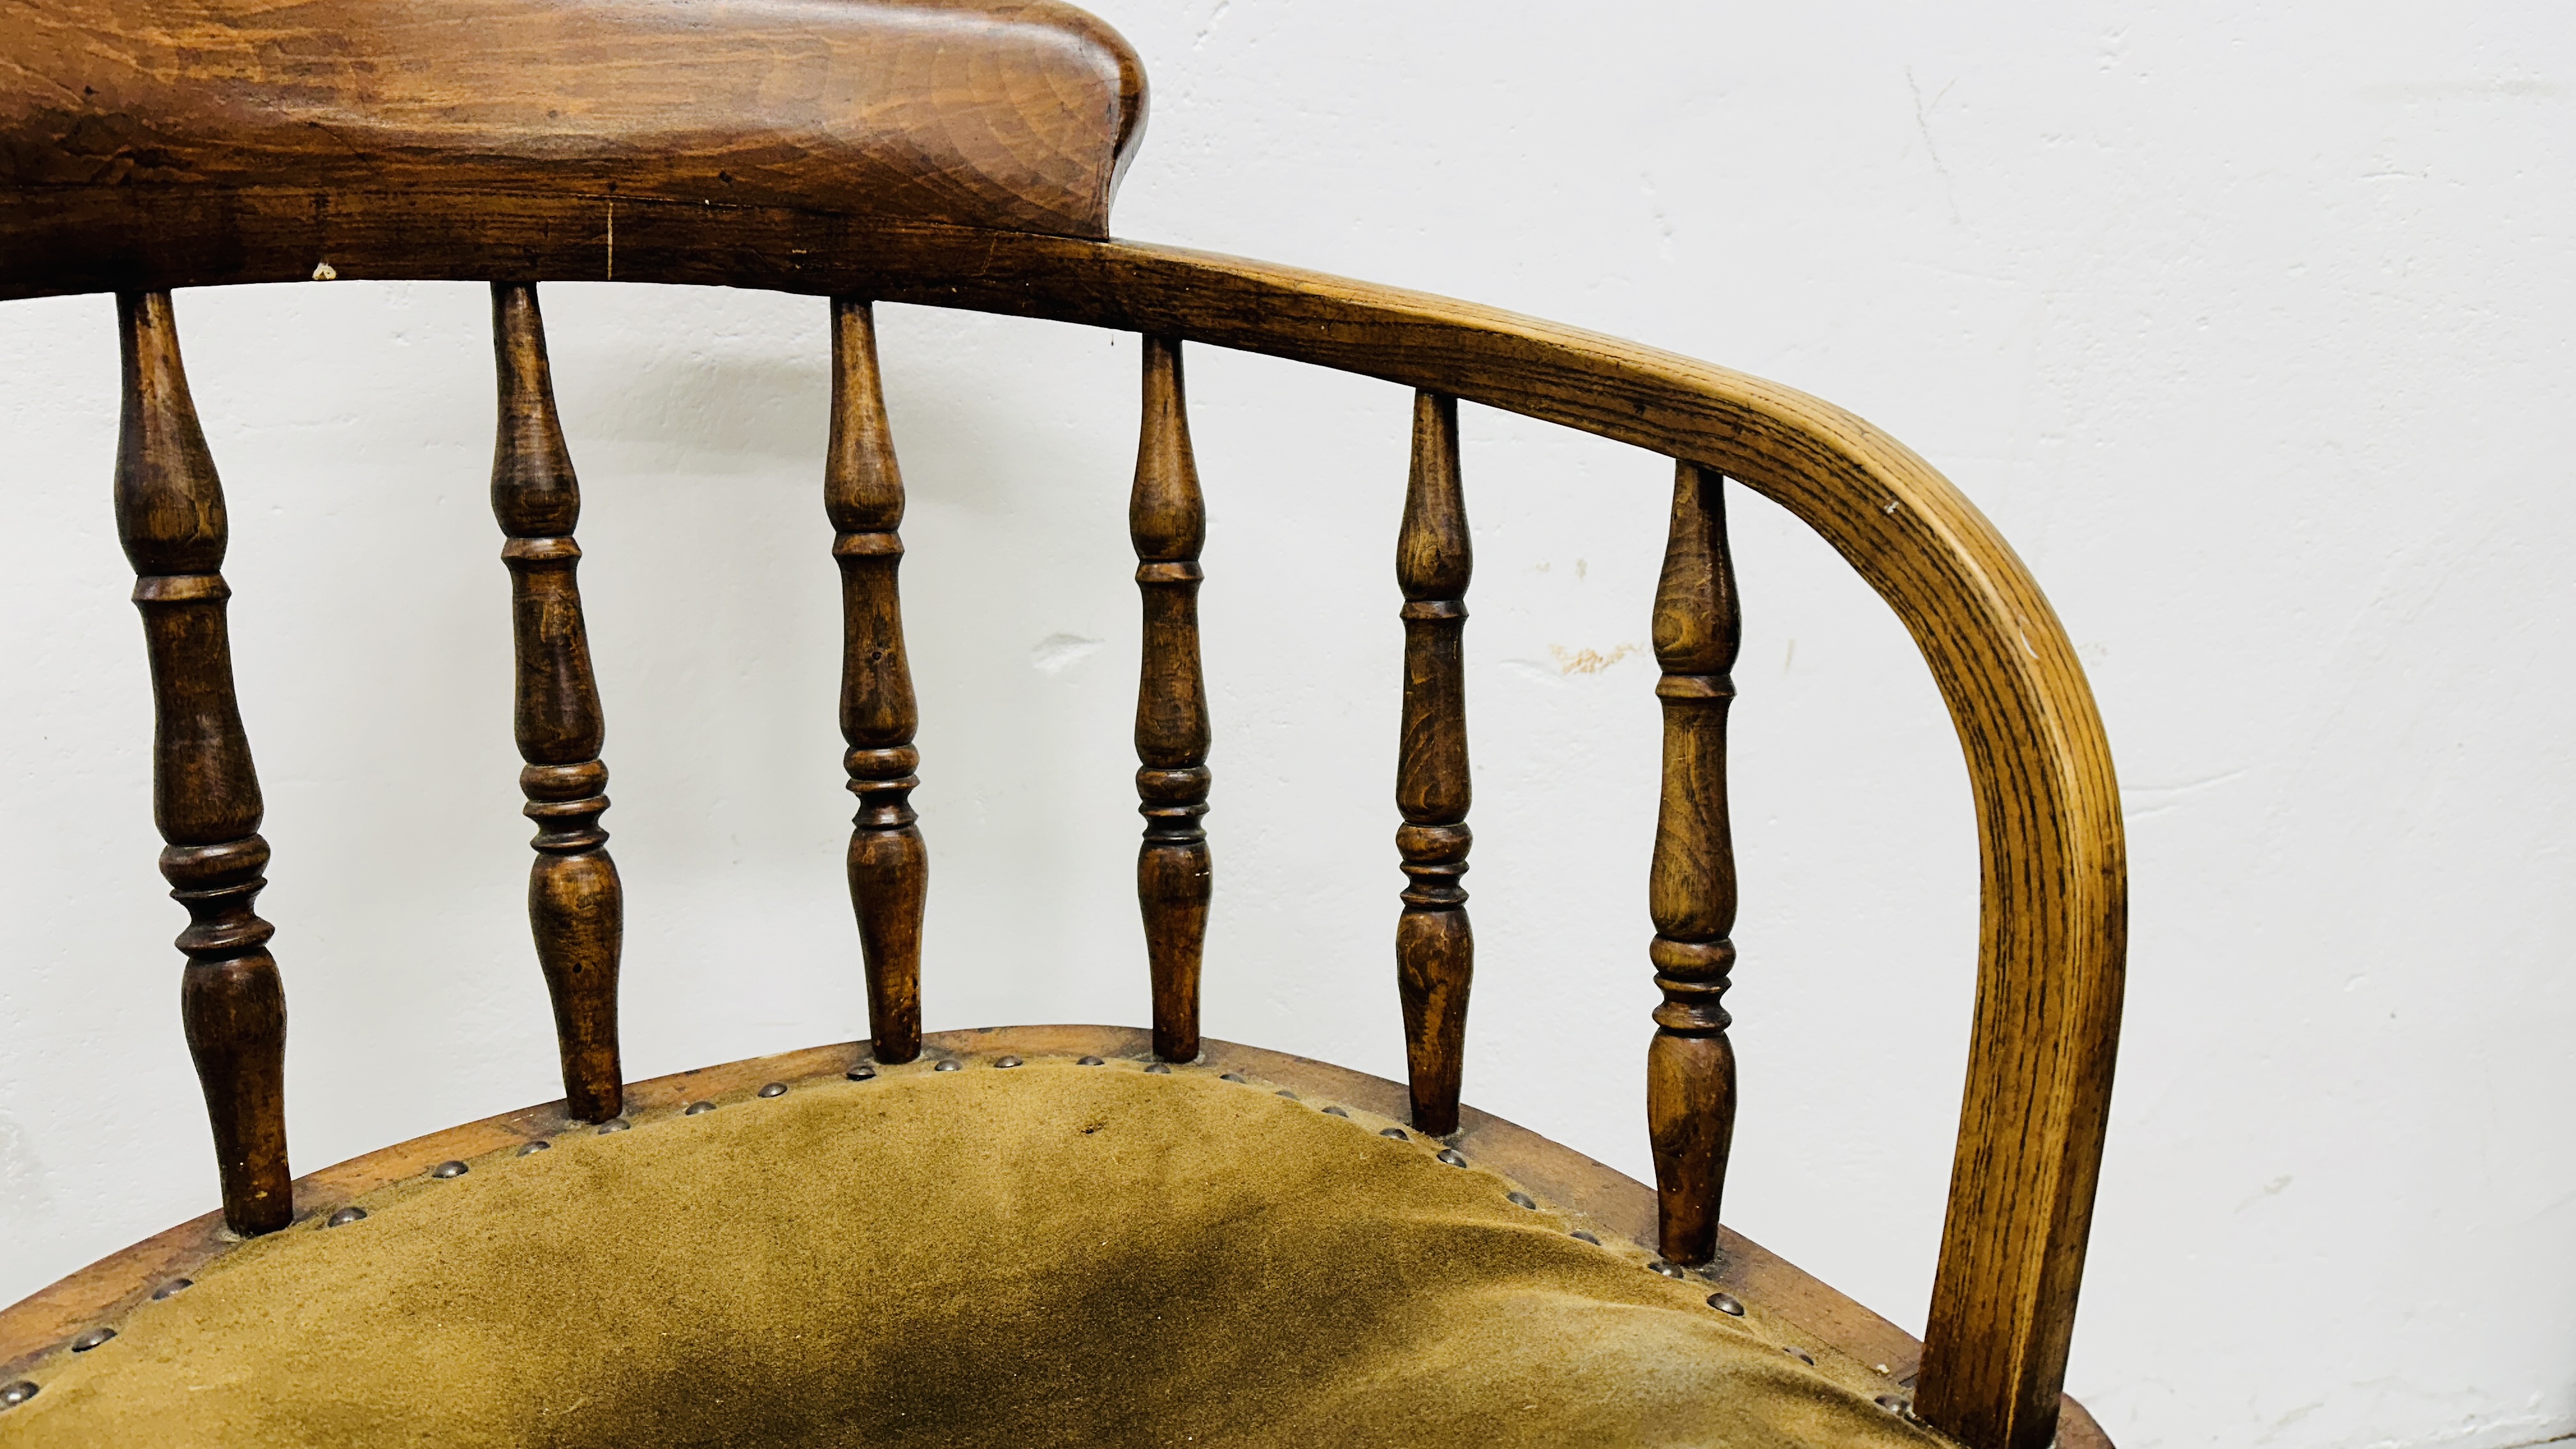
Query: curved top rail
{"x": 2053, "y": 922}
{"x": 1018, "y": 114}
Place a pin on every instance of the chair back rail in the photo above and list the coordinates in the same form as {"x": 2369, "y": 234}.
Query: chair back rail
{"x": 1435, "y": 949}
{"x": 987, "y": 189}
{"x": 576, "y": 905}
{"x": 1167, "y": 521}
{"x": 889, "y": 866}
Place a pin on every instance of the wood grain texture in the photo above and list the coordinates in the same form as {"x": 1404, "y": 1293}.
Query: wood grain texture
{"x": 1690, "y": 1066}
{"x": 576, "y": 905}
{"x": 889, "y": 867}
{"x": 1435, "y": 949}
{"x": 2053, "y": 919}
{"x": 1611, "y": 1204}
{"x": 1017, "y": 114}
{"x": 1167, "y": 519}
{"x": 205, "y": 793}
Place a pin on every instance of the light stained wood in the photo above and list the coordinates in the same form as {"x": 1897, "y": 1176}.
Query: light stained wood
{"x": 576, "y": 904}
{"x": 205, "y": 793}
{"x": 1435, "y": 949}
{"x": 1690, "y": 1066}
{"x": 889, "y": 866}
{"x": 1167, "y": 519}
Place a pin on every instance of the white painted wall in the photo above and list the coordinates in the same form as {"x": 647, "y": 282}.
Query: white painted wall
{"x": 2249, "y": 325}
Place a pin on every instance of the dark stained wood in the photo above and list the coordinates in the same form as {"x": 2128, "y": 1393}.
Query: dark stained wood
{"x": 889, "y": 866}
{"x": 1690, "y": 1067}
{"x": 1168, "y": 522}
{"x": 1016, "y": 115}
{"x": 576, "y": 906}
{"x": 1435, "y": 950}
{"x": 1563, "y": 1179}
{"x": 205, "y": 793}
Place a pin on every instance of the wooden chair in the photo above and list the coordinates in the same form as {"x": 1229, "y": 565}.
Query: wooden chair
{"x": 1024, "y": 1234}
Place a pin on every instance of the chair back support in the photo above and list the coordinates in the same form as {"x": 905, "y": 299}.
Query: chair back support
{"x": 888, "y": 864}
{"x": 962, "y": 153}
{"x": 1167, "y": 520}
{"x": 575, "y": 904}
{"x": 1435, "y": 952}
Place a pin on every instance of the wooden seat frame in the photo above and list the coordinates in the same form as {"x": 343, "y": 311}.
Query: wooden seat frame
{"x": 161, "y": 144}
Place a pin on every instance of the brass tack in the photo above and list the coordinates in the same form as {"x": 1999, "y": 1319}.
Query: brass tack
{"x": 1228, "y": 1077}
{"x": 1725, "y": 1303}
{"x": 344, "y": 1217}
{"x": 774, "y": 1089}
{"x": 1520, "y": 1199}
{"x": 863, "y": 1073}
{"x": 1450, "y": 1155}
{"x": 536, "y": 1147}
{"x": 1580, "y": 1235}
{"x": 1801, "y": 1355}
{"x": 1336, "y": 1112}
{"x": 1007, "y": 1062}
{"x": 1669, "y": 1270}
{"x": 173, "y": 1288}
{"x": 946, "y": 1066}
{"x": 697, "y": 1109}
{"x": 17, "y": 1393}
{"x": 1892, "y": 1403}
{"x": 1089, "y": 1062}
{"x": 614, "y": 1124}
{"x": 1395, "y": 1132}
{"x": 1284, "y": 1092}
{"x": 92, "y": 1339}
{"x": 446, "y": 1170}
{"x": 1161, "y": 1069}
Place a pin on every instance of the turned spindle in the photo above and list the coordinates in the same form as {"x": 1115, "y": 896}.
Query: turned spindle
{"x": 576, "y": 908}
{"x": 1690, "y": 1068}
{"x": 1435, "y": 950}
{"x": 888, "y": 865}
{"x": 1168, "y": 521}
{"x": 205, "y": 793}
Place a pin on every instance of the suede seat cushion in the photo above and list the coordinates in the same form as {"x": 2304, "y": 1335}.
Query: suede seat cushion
{"x": 1048, "y": 1255}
